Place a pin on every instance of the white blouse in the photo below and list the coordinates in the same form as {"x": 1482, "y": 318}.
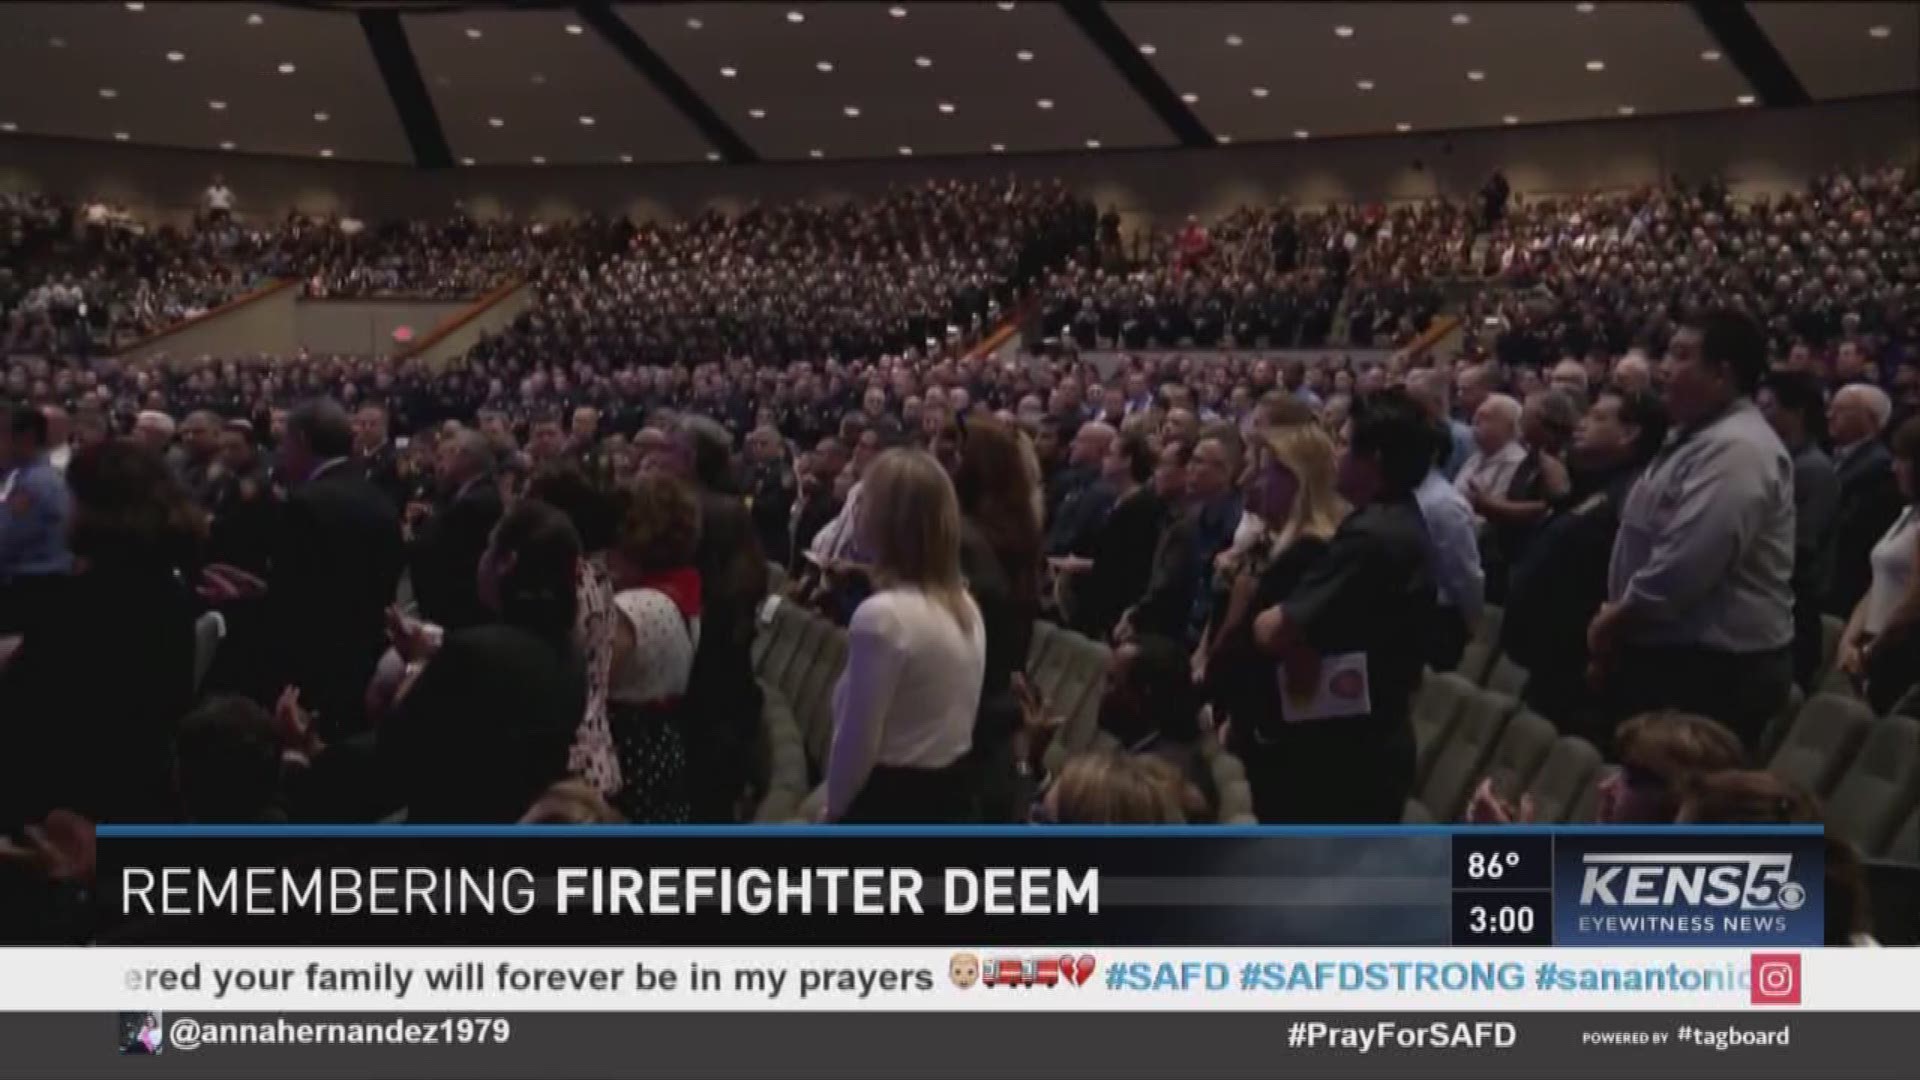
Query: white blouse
{"x": 909, "y": 693}
{"x": 661, "y": 660}
{"x": 1892, "y": 561}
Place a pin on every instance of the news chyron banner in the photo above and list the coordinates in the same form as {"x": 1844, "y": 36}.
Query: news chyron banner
{"x": 458, "y": 951}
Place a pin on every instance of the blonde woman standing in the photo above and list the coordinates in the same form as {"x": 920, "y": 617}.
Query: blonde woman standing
{"x": 904, "y": 708}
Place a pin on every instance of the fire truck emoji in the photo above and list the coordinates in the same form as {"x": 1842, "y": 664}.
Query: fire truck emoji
{"x": 1005, "y": 971}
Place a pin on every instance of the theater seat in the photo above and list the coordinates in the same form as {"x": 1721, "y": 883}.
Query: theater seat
{"x": 783, "y": 631}
{"x": 1078, "y": 684}
{"x": 1880, "y": 788}
{"x": 1506, "y": 677}
{"x": 1821, "y": 743}
{"x": 1523, "y": 746}
{"x": 1776, "y": 730}
{"x": 1043, "y": 634}
{"x": 1905, "y": 844}
{"x": 1565, "y": 777}
{"x": 812, "y": 692}
{"x": 1464, "y": 755}
{"x": 784, "y": 768}
{"x": 1481, "y": 645}
{"x": 1436, "y": 706}
{"x": 1831, "y": 629}
{"x": 1416, "y": 814}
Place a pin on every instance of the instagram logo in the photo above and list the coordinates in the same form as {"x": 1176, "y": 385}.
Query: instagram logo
{"x": 1776, "y": 979}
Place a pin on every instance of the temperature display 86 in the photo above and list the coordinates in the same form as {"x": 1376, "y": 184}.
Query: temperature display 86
{"x": 1502, "y": 889}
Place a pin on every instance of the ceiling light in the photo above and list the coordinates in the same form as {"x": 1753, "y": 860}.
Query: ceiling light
{"x": 321, "y": 117}
{"x": 255, "y": 19}
{"x": 57, "y": 42}
{"x": 897, "y": 11}
{"x": 136, "y": 7}
{"x": 1626, "y": 110}
{"x": 109, "y": 92}
{"x": 473, "y": 33}
{"x": 1584, "y": 9}
{"x": 1596, "y": 65}
{"x": 1880, "y": 31}
{"x": 586, "y": 121}
{"x": 728, "y": 73}
{"x": 1476, "y": 76}
{"x": 1260, "y": 91}
{"x": 575, "y": 28}
{"x": 494, "y": 121}
{"x": 1093, "y": 144}
{"x": 176, "y": 56}
{"x": 1045, "y": 103}
{"x": 757, "y": 114}
{"x": 694, "y": 24}
{"x": 947, "y": 107}
{"x": 538, "y": 160}
{"x": 1190, "y": 98}
{"x": 538, "y": 79}
{"x": 1302, "y": 133}
{"x": 286, "y": 69}
{"x": 818, "y": 154}
{"x": 826, "y": 66}
{"x": 1365, "y": 84}
{"x": 227, "y": 145}
{"x": 1744, "y": 99}
{"x": 1403, "y": 126}
{"x": 466, "y": 161}
{"x": 1023, "y": 55}
{"x": 713, "y": 155}
{"x": 906, "y": 151}
{"x": 796, "y": 17}
{"x": 851, "y": 110}
{"x": 1234, "y": 40}
{"x": 626, "y": 159}
{"x": 1343, "y": 31}
{"x": 9, "y": 125}
{"x": 1461, "y": 18}
{"x": 1509, "y": 119}
{"x": 1710, "y": 55}
{"x": 217, "y": 106}
{"x": 121, "y": 136}
{"x": 1224, "y": 139}
{"x": 1006, "y": 5}
{"x": 1147, "y": 49}
{"x": 923, "y": 61}
{"x": 326, "y": 152}
{"x": 998, "y": 148}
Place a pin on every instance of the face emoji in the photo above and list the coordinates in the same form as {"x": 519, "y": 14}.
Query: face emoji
{"x": 964, "y": 970}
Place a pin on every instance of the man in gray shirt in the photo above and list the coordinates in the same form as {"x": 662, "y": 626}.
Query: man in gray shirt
{"x": 1699, "y": 614}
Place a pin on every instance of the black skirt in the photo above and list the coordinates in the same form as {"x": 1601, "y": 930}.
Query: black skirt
{"x": 896, "y": 795}
{"x": 653, "y": 764}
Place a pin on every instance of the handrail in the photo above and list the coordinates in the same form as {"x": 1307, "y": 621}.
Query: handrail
{"x": 1008, "y": 327}
{"x": 448, "y": 326}
{"x": 1436, "y": 331}
{"x": 277, "y": 285}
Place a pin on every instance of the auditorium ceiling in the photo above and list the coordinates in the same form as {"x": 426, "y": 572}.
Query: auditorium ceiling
{"x": 446, "y": 84}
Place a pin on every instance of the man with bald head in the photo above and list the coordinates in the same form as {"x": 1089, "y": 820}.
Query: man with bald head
{"x": 449, "y": 539}
{"x": 1077, "y": 499}
{"x": 1869, "y": 495}
{"x": 1497, "y": 450}
{"x": 1633, "y": 374}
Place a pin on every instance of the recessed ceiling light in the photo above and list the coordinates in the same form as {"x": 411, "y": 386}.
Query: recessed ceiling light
{"x": 694, "y": 24}
{"x": 923, "y": 61}
{"x": 1023, "y": 55}
{"x": 575, "y": 28}
{"x": 217, "y": 106}
{"x": 998, "y": 148}
{"x": 539, "y": 79}
{"x": 1476, "y": 76}
{"x": 1461, "y": 18}
{"x": 176, "y": 56}
{"x": 109, "y": 92}
{"x": 713, "y": 155}
{"x": 1626, "y": 110}
{"x": 1006, "y": 5}
{"x": 1584, "y": 9}
{"x": 1093, "y": 144}
{"x": 796, "y": 17}
{"x": 825, "y": 65}
{"x": 466, "y": 161}
{"x": 494, "y": 121}
{"x": 326, "y": 152}
{"x": 1302, "y": 133}
{"x": 121, "y": 136}
{"x": 728, "y": 73}
{"x": 626, "y": 159}
{"x": 897, "y": 11}
{"x": 136, "y": 7}
{"x": 851, "y": 110}
{"x": 255, "y": 19}
{"x": 1596, "y": 65}
{"x": 321, "y": 117}
{"x": 473, "y": 33}
{"x": 1364, "y": 84}
{"x": 1260, "y": 91}
{"x": 1744, "y": 99}
{"x": 1880, "y": 31}
{"x": 57, "y": 42}
{"x": 1343, "y": 31}
{"x": 1509, "y": 119}
{"x": 9, "y": 125}
{"x": 286, "y": 69}
{"x": 757, "y": 114}
{"x": 947, "y": 107}
{"x": 1045, "y": 103}
{"x": 1235, "y": 40}
{"x": 1190, "y": 98}
{"x": 1403, "y": 126}
{"x": 1147, "y": 49}
{"x": 906, "y": 151}
{"x": 818, "y": 154}
{"x": 538, "y": 160}
{"x": 1710, "y": 55}
{"x": 586, "y": 121}
{"x": 227, "y": 145}
{"x": 1223, "y": 139}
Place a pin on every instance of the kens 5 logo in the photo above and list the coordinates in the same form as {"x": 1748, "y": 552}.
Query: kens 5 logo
{"x": 1745, "y": 882}
{"x": 1775, "y": 979}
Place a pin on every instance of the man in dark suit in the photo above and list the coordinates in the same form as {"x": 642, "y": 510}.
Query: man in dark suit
{"x": 1869, "y": 496}
{"x": 446, "y": 543}
{"x": 335, "y": 563}
{"x": 374, "y": 452}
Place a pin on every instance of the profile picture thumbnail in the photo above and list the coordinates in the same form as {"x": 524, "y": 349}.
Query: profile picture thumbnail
{"x": 141, "y": 1033}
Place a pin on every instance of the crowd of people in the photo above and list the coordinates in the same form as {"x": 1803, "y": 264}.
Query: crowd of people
{"x": 527, "y": 586}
